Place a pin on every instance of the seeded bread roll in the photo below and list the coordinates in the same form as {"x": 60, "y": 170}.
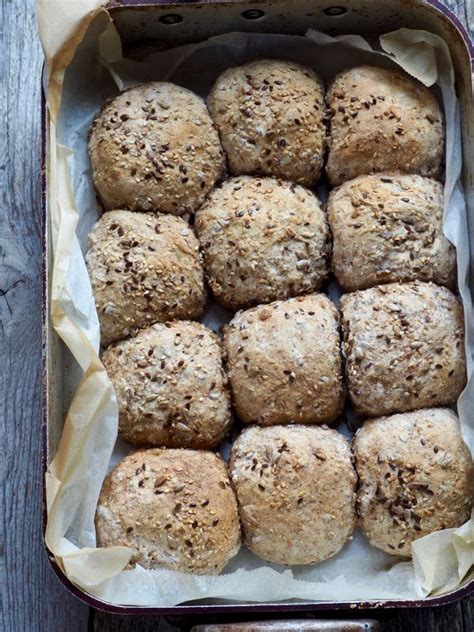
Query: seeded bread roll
{"x": 404, "y": 347}
{"x": 270, "y": 116}
{"x": 154, "y": 147}
{"x": 170, "y": 386}
{"x": 415, "y": 476}
{"x": 284, "y": 362}
{"x": 389, "y": 228}
{"x": 263, "y": 239}
{"x": 174, "y": 508}
{"x": 143, "y": 269}
{"x": 382, "y": 120}
{"x": 295, "y": 489}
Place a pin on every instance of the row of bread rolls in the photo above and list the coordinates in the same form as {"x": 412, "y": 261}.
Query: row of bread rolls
{"x": 157, "y": 147}
{"x": 265, "y": 239}
{"x": 262, "y": 239}
{"x": 297, "y": 493}
{"x": 403, "y": 349}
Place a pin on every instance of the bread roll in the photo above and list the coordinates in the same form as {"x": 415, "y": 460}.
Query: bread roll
{"x": 389, "y": 228}
{"x": 270, "y": 116}
{"x": 295, "y": 487}
{"x": 404, "y": 347}
{"x": 284, "y": 362}
{"x": 154, "y": 147}
{"x": 415, "y": 476}
{"x": 263, "y": 239}
{"x": 170, "y": 386}
{"x": 144, "y": 269}
{"x": 382, "y": 120}
{"x": 174, "y": 508}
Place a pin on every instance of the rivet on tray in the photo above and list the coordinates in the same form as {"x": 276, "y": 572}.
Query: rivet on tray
{"x": 334, "y": 11}
{"x": 171, "y": 18}
{"x": 253, "y": 14}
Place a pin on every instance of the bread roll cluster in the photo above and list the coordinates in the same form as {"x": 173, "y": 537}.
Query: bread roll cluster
{"x": 264, "y": 244}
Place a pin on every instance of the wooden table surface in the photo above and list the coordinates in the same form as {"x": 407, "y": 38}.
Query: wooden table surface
{"x": 33, "y": 600}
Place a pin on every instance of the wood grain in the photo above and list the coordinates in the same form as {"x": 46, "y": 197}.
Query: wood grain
{"x": 32, "y": 598}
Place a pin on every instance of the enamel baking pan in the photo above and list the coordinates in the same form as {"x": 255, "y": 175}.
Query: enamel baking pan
{"x": 175, "y": 23}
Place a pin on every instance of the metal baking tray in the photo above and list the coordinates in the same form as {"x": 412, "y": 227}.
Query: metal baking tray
{"x": 174, "y": 23}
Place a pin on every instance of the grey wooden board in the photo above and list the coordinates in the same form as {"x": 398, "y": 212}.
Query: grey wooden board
{"x": 33, "y": 600}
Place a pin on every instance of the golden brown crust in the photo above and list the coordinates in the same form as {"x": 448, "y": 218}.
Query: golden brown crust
{"x": 415, "y": 476}
{"x": 270, "y": 116}
{"x": 284, "y": 362}
{"x": 171, "y": 386}
{"x": 382, "y": 120}
{"x": 404, "y": 347}
{"x": 295, "y": 487}
{"x": 144, "y": 268}
{"x": 387, "y": 228}
{"x": 263, "y": 239}
{"x": 175, "y": 508}
{"x": 154, "y": 147}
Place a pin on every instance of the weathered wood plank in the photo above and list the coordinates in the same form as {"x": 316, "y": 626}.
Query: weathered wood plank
{"x": 33, "y": 600}
{"x": 448, "y": 618}
{"x": 464, "y": 9}
{"x": 103, "y": 622}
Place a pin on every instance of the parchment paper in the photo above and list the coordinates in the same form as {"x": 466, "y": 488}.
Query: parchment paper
{"x": 76, "y": 37}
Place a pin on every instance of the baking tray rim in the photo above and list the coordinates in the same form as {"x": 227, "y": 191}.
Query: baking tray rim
{"x": 198, "y": 608}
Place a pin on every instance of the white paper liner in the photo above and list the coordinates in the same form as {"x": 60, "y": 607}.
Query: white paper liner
{"x": 86, "y": 451}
